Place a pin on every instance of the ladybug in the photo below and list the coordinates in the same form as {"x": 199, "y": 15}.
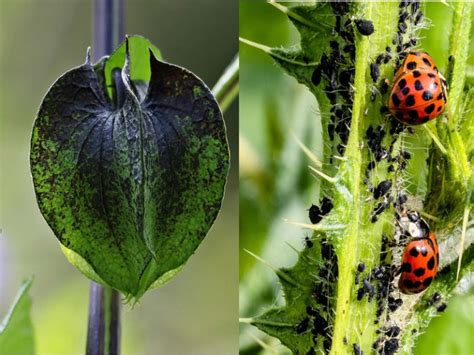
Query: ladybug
{"x": 419, "y": 264}
{"x": 419, "y": 91}
{"x": 420, "y": 258}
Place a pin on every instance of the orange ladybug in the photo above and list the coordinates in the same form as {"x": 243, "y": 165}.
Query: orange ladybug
{"x": 419, "y": 93}
{"x": 419, "y": 264}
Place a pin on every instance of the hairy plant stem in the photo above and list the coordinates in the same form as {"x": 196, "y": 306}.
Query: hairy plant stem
{"x": 103, "y": 335}
{"x": 361, "y": 240}
{"x": 227, "y": 87}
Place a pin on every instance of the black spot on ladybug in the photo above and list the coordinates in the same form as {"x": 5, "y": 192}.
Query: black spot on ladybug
{"x": 405, "y": 91}
{"x": 416, "y": 284}
{"x": 442, "y": 307}
{"x": 411, "y": 65}
{"x": 424, "y": 251}
{"x": 439, "y": 108}
{"x": 399, "y": 115}
{"x": 425, "y": 119}
{"x": 427, "y": 62}
{"x": 413, "y": 114}
{"x": 427, "y": 95}
{"x": 430, "y": 108}
{"x": 396, "y": 101}
{"x": 416, "y": 74}
{"x": 382, "y": 188}
{"x": 374, "y": 71}
{"x": 402, "y": 83}
{"x": 418, "y": 85}
{"x": 406, "y": 267}
{"x": 419, "y": 272}
{"x": 431, "y": 75}
{"x": 410, "y": 100}
{"x": 440, "y": 96}
{"x": 414, "y": 252}
{"x": 431, "y": 263}
{"x": 408, "y": 284}
{"x": 427, "y": 281}
{"x": 434, "y": 86}
{"x": 437, "y": 258}
{"x": 365, "y": 27}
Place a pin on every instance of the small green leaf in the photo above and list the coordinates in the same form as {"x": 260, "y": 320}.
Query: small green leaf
{"x": 16, "y": 329}
{"x": 131, "y": 182}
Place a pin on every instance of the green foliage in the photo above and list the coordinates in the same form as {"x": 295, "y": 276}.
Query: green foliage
{"x": 16, "y": 329}
{"x": 438, "y": 180}
{"x": 131, "y": 182}
{"x": 450, "y": 332}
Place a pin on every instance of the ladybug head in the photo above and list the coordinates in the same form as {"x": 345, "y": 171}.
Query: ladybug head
{"x": 412, "y": 225}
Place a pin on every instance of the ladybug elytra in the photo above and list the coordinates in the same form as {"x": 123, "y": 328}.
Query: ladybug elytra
{"x": 419, "y": 91}
{"x": 419, "y": 264}
{"x": 420, "y": 258}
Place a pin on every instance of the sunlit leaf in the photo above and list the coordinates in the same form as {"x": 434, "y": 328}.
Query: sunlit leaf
{"x": 16, "y": 329}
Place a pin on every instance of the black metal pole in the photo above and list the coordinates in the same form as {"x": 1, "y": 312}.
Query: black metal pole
{"x": 103, "y": 333}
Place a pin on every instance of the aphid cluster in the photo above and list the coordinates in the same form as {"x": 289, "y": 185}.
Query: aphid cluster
{"x": 337, "y": 68}
{"x": 316, "y": 213}
{"x": 418, "y": 87}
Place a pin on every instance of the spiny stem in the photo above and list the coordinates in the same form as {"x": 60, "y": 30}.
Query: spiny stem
{"x": 227, "y": 87}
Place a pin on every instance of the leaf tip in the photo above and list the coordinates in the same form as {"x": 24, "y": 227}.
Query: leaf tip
{"x": 88, "y": 56}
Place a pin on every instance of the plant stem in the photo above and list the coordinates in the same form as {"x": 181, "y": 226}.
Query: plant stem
{"x": 103, "y": 335}
{"x": 227, "y": 87}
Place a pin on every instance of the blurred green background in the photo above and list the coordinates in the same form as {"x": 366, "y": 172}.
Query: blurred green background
{"x": 275, "y": 183}
{"x": 196, "y": 313}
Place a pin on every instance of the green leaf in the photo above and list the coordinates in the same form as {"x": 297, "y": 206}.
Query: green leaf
{"x": 451, "y": 333}
{"x": 16, "y": 329}
{"x": 130, "y": 183}
{"x": 139, "y": 69}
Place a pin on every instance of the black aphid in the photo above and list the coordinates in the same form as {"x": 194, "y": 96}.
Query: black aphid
{"x": 365, "y": 27}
